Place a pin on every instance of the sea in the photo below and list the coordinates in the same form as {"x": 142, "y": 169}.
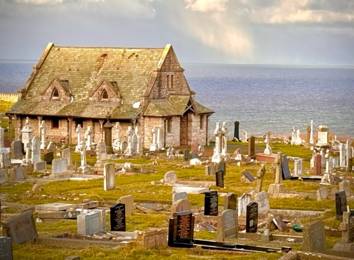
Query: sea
{"x": 261, "y": 97}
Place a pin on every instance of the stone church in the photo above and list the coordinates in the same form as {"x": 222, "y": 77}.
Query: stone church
{"x": 143, "y": 87}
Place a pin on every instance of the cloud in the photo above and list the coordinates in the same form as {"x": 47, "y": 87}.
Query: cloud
{"x": 206, "y": 5}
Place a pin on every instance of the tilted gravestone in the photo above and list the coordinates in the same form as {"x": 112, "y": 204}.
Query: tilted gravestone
{"x": 88, "y": 223}
{"x": 128, "y": 201}
{"x": 21, "y": 228}
{"x": 117, "y": 214}
{"x": 285, "y": 168}
{"x": 252, "y": 217}
{"x": 248, "y": 176}
{"x": 314, "y": 237}
{"x": 211, "y": 203}
{"x": 181, "y": 229}
{"x": 341, "y": 204}
{"x": 227, "y": 225}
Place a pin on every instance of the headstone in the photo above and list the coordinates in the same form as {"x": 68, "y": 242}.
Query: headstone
{"x": 344, "y": 185}
{"x": 268, "y": 149}
{"x": 341, "y": 204}
{"x": 348, "y": 220}
{"x": 181, "y": 229}
{"x": 219, "y": 179}
{"x": 260, "y": 175}
{"x": 154, "y": 146}
{"x": 263, "y": 202}
{"x": 59, "y": 166}
{"x": 170, "y": 178}
{"x": 88, "y": 138}
{"x": 252, "y": 217}
{"x": 179, "y": 196}
{"x": 5, "y": 248}
{"x": 48, "y": 157}
{"x": 26, "y": 133}
{"x": 230, "y": 201}
{"x": 66, "y": 154}
{"x": 237, "y": 130}
{"x": 252, "y": 147}
{"x": 20, "y": 173}
{"x": 227, "y": 225}
{"x": 128, "y": 201}
{"x": 182, "y": 205}
{"x": 318, "y": 164}
{"x": 109, "y": 177}
{"x": 36, "y": 150}
{"x": 211, "y": 203}
{"x": 322, "y": 135}
{"x": 17, "y": 150}
{"x": 3, "y": 176}
{"x": 39, "y": 166}
{"x": 279, "y": 223}
{"x": 314, "y": 237}
{"x": 42, "y": 133}
{"x": 78, "y": 146}
{"x": 117, "y": 214}
{"x": 51, "y": 147}
{"x": 298, "y": 167}
{"x": 249, "y": 177}
{"x": 243, "y": 201}
{"x": 88, "y": 223}
{"x": 21, "y": 228}
{"x": 285, "y": 168}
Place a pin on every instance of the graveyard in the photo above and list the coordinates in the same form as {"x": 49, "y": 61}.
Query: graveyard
{"x": 253, "y": 197}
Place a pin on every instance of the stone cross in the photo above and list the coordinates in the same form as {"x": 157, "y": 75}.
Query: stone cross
{"x": 278, "y": 168}
{"x": 88, "y": 137}
{"x": 78, "y": 147}
{"x": 268, "y": 149}
{"x": 153, "y": 145}
{"x": 42, "y": 133}
{"x": 26, "y": 133}
{"x": 130, "y": 133}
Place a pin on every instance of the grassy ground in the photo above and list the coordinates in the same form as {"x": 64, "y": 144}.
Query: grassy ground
{"x": 145, "y": 187}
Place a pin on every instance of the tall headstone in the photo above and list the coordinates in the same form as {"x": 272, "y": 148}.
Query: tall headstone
{"x": 36, "y": 150}
{"x": 285, "y": 168}
{"x": 6, "y": 248}
{"x": 219, "y": 179}
{"x": 59, "y": 166}
{"x": 108, "y": 136}
{"x": 322, "y": 135}
{"x": 243, "y": 201}
{"x": 260, "y": 175}
{"x": 227, "y": 225}
{"x": 26, "y": 133}
{"x": 117, "y": 214}
{"x": 268, "y": 149}
{"x": 252, "y": 147}
{"x": 230, "y": 201}
{"x": 17, "y": 149}
{"x": 42, "y": 133}
{"x": 78, "y": 146}
{"x": 66, "y": 154}
{"x": 349, "y": 161}
{"x": 128, "y": 201}
{"x": 341, "y": 203}
{"x": 117, "y": 144}
{"x": 83, "y": 160}
{"x": 181, "y": 230}
{"x": 314, "y": 237}
{"x": 88, "y": 138}
{"x": 109, "y": 180}
{"x": 342, "y": 155}
{"x": 298, "y": 167}
{"x": 252, "y": 217}
{"x": 277, "y": 187}
{"x": 318, "y": 164}
{"x": 211, "y": 203}
{"x": 130, "y": 138}
{"x": 237, "y": 130}
{"x": 312, "y": 141}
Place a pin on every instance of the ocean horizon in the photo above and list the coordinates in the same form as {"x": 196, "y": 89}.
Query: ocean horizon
{"x": 263, "y": 98}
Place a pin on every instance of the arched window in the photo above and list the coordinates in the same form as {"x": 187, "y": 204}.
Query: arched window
{"x": 104, "y": 94}
{"x": 55, "y": 94}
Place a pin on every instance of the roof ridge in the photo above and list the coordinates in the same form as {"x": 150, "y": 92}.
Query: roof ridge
{"x": 108, "y": 47}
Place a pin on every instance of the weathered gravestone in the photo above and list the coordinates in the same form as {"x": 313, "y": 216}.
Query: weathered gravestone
{"x": 3, "y": 176}
{"x": 109, "y": 177}
{"x": 211, "y": 203}
{"x": 252, "y": 147}
{"x": 48, "y": 157}
{"x": 345, "y": 186}
{"x": 219, "y": 179}
{"x": 39, "y": 166}
{"x": 170, "y": 178}
{"x": 59, "y": 166}
{"x": 17, "y": 149}
{"x": 314, "y": 237}
{"x": 341, "y": 204}
{"x": 242, "y": 203}
{"x": 285, "y": 168}
{"x": 36, "y": 150}
{"x": 21, "y": 228}
{"x": 181, "y": 229}
{"x": 227, "y": 225}
{"x": 347, "y": 242}
{"x": 153, "y": 238}
{"x": 182, "y": 205}
{"x": 128, "y": 201}
{"x": 66, "y": 154}
{"x": 252, "y": 217}
{"x": 318, "y": 164}
{"x": 248, "y": 177}
{"x": 230, "y": 201}
{"x": 117, "y": 214}
{"x": 179, "y": 196}
{"x": 263, "y": 202}
{"x": 88, "y": 223}
{"x": 20, "y": 173}
{"x": 5, "y": 248}
{"x": 210, "y": 169}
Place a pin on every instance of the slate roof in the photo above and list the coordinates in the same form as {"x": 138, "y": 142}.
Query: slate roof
{"x": 128, "y": 69}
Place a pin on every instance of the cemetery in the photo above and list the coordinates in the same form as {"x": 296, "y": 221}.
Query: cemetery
{"x": 244, "y": 198}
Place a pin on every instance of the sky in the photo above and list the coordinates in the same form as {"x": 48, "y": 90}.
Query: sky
{"x": 290, "y": 32}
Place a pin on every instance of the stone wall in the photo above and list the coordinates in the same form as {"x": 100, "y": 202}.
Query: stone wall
{"x": 173, "y": 138}
{"x": 149, "y": 124}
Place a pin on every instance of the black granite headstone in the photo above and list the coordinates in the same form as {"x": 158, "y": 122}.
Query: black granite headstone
{"x": 181, "y": 230}
{"x": 252, "y": 217}
{"x": 117, "y": 214}
{"x": 211, "y": 203}
{"x": 221, "y": 166}
{"x": 248, "y": 176}
{"x": 219, "y": 179}
{"x": 285, "y": 168}
{"x": 341, "y": 204}
{"x": 48, "y": 157}
{"x": 237, "y": 130}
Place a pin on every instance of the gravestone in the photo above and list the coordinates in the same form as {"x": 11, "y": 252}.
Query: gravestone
{"x": 36, "y": 150}
{"x": 88, "y": 223}
{"x": 297, "y": 167}
{"x": 48, "y": 157}
{"x": 252, "y": 147}
{"x": 219, "y": 179}
{"x": 66, "y": 154}
{"x": 179, "y": 196}
{"x": 21, "y": 228}
{"x": 128, "y": 201}
{"x": 17, "y": 149}
{"x": 211, "y": 203}
{"x": 279, "y": 223}
{"x": 5, "y": 248}
{"x": 341, "y": 203}
{"x": 20, "y": 173}
{"x": 318, "y": 164}
{"x": 210, "y": 169}
{"x": 230, "y": 201}
{"x": 314, "y": 237}
{"x": 170, "y": 178}
{"x": 59, "y": 166}
{"x": 39, "y": 166}
{"x": 109, "y": 177}
{"x": 344, "y": 185}
{"x": 117, "y": 214}
{"x": 182, "y": 205}
{"x": 3, "y": 176}
{"x": 227, "y": 225}
{"x": 285, "y": 168}
{"x": 243, "y": 201}
{"x": 347, "y": 242}
{"x": 221, "y": 166}
{"x": 181, "y": 229}
{"x": 237, "y": 130}
{"x": 263, "y": 202}
{"x": 248, "y": 176}
{"x": 252, "y": 217}
{"x": 260, "y": 175}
